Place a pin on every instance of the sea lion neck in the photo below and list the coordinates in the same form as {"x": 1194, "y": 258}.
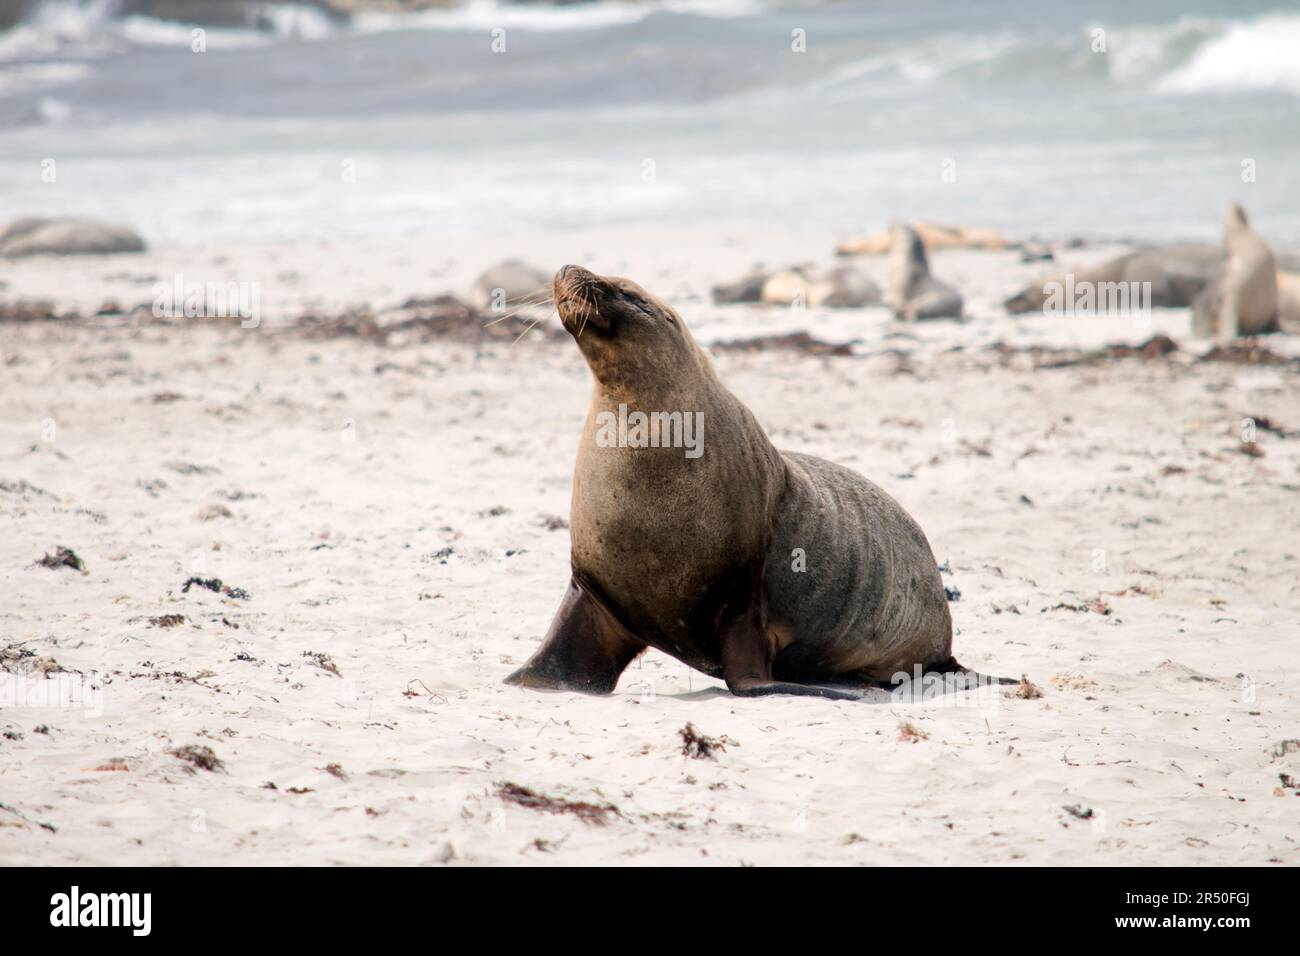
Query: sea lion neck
{"x": 635, "y": 344}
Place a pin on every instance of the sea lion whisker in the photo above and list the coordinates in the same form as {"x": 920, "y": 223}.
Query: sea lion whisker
{"x": 537, "y": 297}
{"x": 502, "y": 318}
{"x": 528, "y": 329}
{"x": 522, "y": 307}
{"x": 588, "y": 307}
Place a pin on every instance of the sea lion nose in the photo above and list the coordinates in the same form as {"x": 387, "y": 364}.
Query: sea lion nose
{"x": 571, "y": 280}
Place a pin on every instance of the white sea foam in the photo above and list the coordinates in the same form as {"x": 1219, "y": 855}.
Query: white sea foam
{"x": 1262, "y": 54}
{"x": 491, "y": 14}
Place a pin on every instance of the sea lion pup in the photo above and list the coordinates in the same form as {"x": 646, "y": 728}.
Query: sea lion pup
{"x": 779, "y": 573}
{"x": 1243, "y": 299}
{"x": 913, "y": 292}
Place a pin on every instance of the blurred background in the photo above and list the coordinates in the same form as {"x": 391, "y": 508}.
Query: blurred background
{"x": 649, "y": 113}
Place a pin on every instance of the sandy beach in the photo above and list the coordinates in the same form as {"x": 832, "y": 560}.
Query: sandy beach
{"x": 387, "y": 524}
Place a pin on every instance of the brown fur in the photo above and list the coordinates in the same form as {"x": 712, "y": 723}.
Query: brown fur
{"x": 1177, "y": 274}
{"x": 694, "y": 556}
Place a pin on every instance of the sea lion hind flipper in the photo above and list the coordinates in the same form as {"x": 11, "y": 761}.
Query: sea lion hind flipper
{"x": 768, "y": 688}
{"x": 973, "y": 678}
{"x": 747, "y": 651}
{"x": 585, "y": 649}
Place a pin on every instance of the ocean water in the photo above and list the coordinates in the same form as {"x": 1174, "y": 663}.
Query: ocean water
{"x": 1010, "y": 114}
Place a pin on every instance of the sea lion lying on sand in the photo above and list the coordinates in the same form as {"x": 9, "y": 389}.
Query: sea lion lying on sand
{"x": 843, "y": 287}
{"x": 66, "y": 237}
{"x": 779, "y": 573}
{"x": 933, "y": 234}
{"x": 840, "y": 287}
{"x": 913, "y": 292}
{"x": 1177, "y": 274}
{"x": 747, "y": 289}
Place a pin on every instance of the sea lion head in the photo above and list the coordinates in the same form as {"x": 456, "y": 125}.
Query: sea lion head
{"x": 624, "y": 332}
{"x": 1236, "y": 218}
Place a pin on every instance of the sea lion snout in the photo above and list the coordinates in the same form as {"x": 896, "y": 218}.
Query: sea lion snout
{"x": 570, "y": 272}
{"x": 578, "y": 295}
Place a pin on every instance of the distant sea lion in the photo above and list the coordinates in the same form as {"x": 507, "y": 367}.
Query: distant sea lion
{"x": 934, "y": 235}
{"x": 842, "y": 287}
{"x": 747, "y": 289}
{"x": 846, "y": 287}
{"x": 509, "y": 283}
{"x": 1177, "y": 273}
{"x": 66, "y": 237}
{"x": 779, "y": 573}
{"x": 1243, "y": 298}
{"x": 913, "y": 292}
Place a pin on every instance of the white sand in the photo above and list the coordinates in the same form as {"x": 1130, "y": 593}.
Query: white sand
{"x": 346, "y": 468}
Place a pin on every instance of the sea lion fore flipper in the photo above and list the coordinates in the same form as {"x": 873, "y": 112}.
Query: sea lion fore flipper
{"x": 585, "y": 649}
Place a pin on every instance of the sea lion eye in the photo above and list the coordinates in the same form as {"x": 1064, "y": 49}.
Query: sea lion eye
{"x": 636, "y": 301}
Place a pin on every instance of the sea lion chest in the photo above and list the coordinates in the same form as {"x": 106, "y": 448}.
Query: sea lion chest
{"x": 655, "y": 530}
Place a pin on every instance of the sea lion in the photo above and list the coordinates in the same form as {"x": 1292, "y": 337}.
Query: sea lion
{"x": 845, "y": 287}
{"x": 1243, "y": 298}
{"x": 787, "y": 287}
{"x": 507, "y": 284}
{"x": 747, "y": 289}
{"x": 913, "y": 292}
{"x": 839, "y": 287}
{"x": 935, "y": 236}
{"x": 1177, "y": 274}
{"x": 35, "y": 236}
{"x": 780, "y": 573}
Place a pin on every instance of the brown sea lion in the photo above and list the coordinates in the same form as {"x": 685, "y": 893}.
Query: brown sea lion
{"x": 747, "y": 289}
{"x": 779, "y": 573}
{"x": 1177, "y": 274}
{"x": 35, "y": 236}
{"x": 914, "y": 294}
